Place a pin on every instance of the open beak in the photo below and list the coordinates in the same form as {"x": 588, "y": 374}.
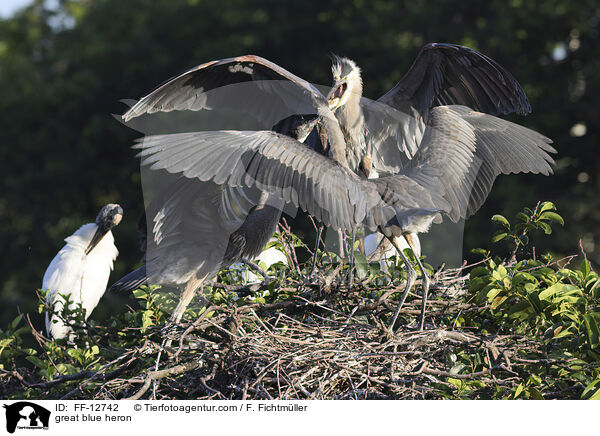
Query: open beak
{"x": 100, "y": 232}
{"x": 334, "y": 98}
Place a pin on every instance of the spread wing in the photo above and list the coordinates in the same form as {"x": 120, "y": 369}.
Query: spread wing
{"x": 442, "y": 74}
{"x": 271, "y": 162}
{"x": 463, "y": 151}
{"x": 247, "y": 83}
{"x": 461, "y": 154}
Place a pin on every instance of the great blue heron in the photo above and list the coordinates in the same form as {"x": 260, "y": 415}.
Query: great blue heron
{"x": 442, "y": 74}
{"x": 81, "y": 268}
{"x": 453, "y": 75}
{"x": 459, "y": 156}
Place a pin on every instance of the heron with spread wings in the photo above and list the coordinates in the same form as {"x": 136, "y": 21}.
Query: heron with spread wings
{"x": 454, "y": 152}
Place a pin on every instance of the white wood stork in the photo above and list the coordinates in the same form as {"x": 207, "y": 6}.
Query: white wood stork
{"x": 264, "y": 260}
{"x": 81, "y": 269}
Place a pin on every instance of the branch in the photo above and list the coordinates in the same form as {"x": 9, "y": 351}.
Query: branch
{"x": 162, "y": 373}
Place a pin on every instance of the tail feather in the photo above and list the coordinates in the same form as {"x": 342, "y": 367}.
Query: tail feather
{"x": 131, "y": 281}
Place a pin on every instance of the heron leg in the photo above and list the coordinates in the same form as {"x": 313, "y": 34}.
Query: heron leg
{"x": 320, "y": 228}
{"x": 341, "y": 242}
{"x": 351, "y": 255}
{"x": 186, "y": 297}
{"x": 412, "y": 276}
{"x": 426, "y": 281}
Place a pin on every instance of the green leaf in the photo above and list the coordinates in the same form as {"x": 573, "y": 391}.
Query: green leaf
{"x": 535, "y": 394}
{"x": 499, "y": 273}
{"x": 147, "y": 319}
{"x": 592, "y": 323}
{"x": 521, "y": 216}
{"x": 556, "y": 289}
{"x": 595, "y": 290}
{"x": 518, "y": 391}
{"x": 523, "y": 277}
{"x": 140, "y": 294}
{"x": 554, "y": 217}
{"x": 521, "y": 311}
{"x": 545, "y": 227}
{"x": 501, "y": 220}
{"x": 481, "y": 252}
{"x": 499, "y": 237}
{"x": 547, "y": 205}
{"x": 362, "y": 265}
{"x": 455, "y": 381}
{"x": 585, "y": 268}
{"x": 15, "y": 322}
{"x": 498, "y": 301}
{"x": 37, "y": 362}
{"x": 493, "y": 293}
{"x": 477, "y": 383}
{"x": 592, "y": 391}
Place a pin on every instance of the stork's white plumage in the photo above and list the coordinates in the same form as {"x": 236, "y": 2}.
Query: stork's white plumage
{"x": 81, "y": 269}
{"x": 265, "y": 259}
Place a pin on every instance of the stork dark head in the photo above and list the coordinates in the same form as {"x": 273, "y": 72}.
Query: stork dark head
{"x": 346, "y": 80}
{"x": 109, "y": 216}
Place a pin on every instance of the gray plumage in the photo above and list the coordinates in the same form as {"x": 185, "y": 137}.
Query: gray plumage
{"x": 462, "y": 151}
{"x": 457, "y": 144}
{"x": 390, "y": 129}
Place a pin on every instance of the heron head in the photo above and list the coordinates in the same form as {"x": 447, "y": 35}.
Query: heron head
{"x": 346, "y": 80}
{"x": 109, "y": 216}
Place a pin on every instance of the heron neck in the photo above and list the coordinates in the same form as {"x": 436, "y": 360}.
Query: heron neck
{"x": 352, "y": 123}
{"x": 350, "y": 115}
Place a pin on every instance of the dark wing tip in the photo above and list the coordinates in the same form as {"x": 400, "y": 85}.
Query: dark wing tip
{"x": 516, "y": 101}
{"x": 131, "y": 281}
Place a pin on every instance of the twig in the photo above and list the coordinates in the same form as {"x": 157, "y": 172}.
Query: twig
{"x": 258, "y": 269}
{"x": 162, "y": 373}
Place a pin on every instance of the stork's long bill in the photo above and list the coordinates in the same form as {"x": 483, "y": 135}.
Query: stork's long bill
{"x": 100, "y": 232}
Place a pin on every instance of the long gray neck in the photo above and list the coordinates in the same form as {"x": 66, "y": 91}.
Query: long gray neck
{"x": 352, "y": 123}
{"x": 335, "y": 136}
{"x": 350, "y": 114}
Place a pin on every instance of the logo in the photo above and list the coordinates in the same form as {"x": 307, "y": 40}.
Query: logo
{"x": 26, "y": 415}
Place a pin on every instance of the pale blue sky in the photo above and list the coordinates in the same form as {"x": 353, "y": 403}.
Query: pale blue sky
{"x": 8, "y": 7}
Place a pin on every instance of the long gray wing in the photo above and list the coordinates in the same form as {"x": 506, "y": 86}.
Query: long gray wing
{"x": 463, "y": 151}
{"x": 248, "y": 83}
{"x": 461, "y": 154}
{"x": 271, "y": 162}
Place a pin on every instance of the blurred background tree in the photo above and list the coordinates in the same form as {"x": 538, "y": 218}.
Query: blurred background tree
{"x": 65, "y": 66}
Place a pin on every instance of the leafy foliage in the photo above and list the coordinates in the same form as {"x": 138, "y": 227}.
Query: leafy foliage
{"x": 532, "y": 323}
{"x": 544, "y": 299}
